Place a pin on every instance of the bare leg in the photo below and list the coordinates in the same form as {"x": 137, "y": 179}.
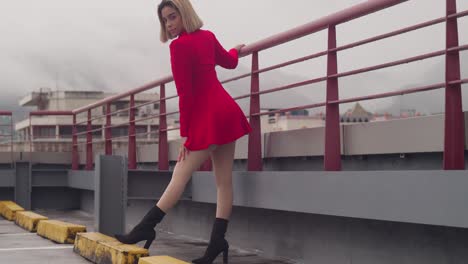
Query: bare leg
{"x": 223, "y": 159}
{"x": 180, "y": 177}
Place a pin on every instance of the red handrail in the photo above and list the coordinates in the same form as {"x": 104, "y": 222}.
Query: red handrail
{"x": 51, "y": 113}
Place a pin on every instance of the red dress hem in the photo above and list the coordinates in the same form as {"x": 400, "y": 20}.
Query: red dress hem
{"x": 205, "y": 146}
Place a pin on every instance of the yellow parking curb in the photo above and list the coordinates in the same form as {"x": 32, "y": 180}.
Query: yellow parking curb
{"x": 8, "y": 209}
{"x": 29, "y": 220}
{"x": 161, "y": 260}
{"x": 59, "y": 231}
{"x": 100, "y": 248}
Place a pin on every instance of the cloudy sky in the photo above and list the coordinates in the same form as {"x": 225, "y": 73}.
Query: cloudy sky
{"x": 114, "y": 45}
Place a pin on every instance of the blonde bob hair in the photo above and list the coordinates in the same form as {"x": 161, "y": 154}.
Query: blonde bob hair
{"x": 190, "y": 19}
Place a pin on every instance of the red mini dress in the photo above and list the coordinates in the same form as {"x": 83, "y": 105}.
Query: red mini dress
{"x": 208, "y": 114}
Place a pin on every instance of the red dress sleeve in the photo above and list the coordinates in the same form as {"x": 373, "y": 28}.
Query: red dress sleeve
{"x": 223, "y": 58}
{"x": 181, "y": 64}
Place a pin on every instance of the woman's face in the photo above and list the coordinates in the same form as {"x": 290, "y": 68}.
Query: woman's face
{"x": 172, "y": 20}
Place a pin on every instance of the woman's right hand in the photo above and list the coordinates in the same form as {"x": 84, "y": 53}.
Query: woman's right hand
{"x": 239, "y": 47}
{"x": 183, "y": 153}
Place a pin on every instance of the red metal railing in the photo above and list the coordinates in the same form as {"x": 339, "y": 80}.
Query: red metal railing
{"x": 454, "y": 122}
{"x": 108, "y": 138}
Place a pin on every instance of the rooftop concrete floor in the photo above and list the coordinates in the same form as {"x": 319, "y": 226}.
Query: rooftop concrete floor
{"x": 21, "y": 247}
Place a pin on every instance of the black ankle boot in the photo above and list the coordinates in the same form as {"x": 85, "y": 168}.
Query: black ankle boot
{"x": 217, "y": 244}
{"x": 145, "y": 229}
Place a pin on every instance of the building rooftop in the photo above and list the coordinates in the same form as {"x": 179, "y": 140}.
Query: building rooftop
{"x": 36, "y": 98}
{"x": 22, "y": 247}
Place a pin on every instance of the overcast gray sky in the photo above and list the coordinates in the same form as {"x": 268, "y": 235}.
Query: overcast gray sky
{"x": 114, "y": 45}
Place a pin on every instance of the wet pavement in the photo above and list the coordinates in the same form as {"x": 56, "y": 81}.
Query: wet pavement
{"x": 22, "y": 247}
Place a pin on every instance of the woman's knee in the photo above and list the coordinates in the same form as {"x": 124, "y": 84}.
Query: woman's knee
{"x": 224, "y": 185}
{"x": 223, "y": 179}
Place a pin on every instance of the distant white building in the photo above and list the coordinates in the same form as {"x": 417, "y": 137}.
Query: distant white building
{"x": 54, "y": 133}
{"x": 298, "y": 119}
{"x": 357, "y": 114}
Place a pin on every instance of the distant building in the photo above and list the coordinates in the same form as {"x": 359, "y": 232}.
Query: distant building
{"x": 297, "y": 119}
{"x": 54, "y": 133}
{"x": 303, "y": 119}
{"x": 383, "y": 117}
{"x": 5, "y": 128}
{"x": 357, "y": 114}
{"x": 408, "y": 113}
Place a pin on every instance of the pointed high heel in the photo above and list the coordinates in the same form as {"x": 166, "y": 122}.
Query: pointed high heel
{"x": 149, "y": 242}
{"x": 212, "y": 253}
{"x": 218, "y": 244}
{"x": 145, "y": 229}
{"x": 225, "y": 256}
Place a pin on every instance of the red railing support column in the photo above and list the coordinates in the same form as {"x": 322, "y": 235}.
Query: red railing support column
{"x": 75, "y": 155}
{"x": 89, "y": 144}
{"x": 254, "y": 162}
{"x": 11, "y": 141}
{"x": 108, "y": 132}
{"x": 163, "y": 146}
{"x": 131, "y": 136}
{"x": 454, "y": 146}
{"x": 332, "y": 159}
{"x": 31, "y": 137}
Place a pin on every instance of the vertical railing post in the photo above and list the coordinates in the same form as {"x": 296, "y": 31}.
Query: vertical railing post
{"x": 75, "y": 155}
{"x": 89, "y": 144}
{"x": 30, "y": 136}
{"x": 254, "y": 162}
{"x": 108, "y": 131}
{"x": 57, "y": 132}
{"x": 163, "y": 146}
{"x": 332, "y": 159}
{"x": 131, "y": 135}
{"x": 11, "y": 141}
{"x": 454, "y": 142}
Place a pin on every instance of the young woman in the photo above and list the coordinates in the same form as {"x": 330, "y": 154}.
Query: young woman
{"x": 210, "y": 121}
